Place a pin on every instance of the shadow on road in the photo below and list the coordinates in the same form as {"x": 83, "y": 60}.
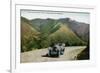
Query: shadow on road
{"x": 46, "y": 55}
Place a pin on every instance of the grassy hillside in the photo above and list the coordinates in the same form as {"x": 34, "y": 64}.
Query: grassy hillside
{"x": 66, "y": 35}
{"x": 81, "y": 29}
{"x": 29, "y": 35}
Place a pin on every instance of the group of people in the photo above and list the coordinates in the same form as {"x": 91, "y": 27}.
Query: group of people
{"x": 56, "y": 50}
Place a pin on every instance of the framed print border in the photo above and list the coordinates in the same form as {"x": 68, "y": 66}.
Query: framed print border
{"x": 16, "y": 66}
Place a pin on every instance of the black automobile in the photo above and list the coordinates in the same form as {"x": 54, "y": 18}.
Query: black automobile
{"x": 56, "y": 50}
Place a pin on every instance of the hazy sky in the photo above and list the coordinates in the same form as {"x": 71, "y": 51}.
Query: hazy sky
{"x": 81, "y": 17}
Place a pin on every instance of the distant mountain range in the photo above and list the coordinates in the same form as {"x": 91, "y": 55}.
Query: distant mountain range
{"x": 79, "y": 28}
{"x": 64, "y": 30}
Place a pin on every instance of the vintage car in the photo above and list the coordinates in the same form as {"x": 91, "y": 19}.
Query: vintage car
{"x": 56, "y": 50}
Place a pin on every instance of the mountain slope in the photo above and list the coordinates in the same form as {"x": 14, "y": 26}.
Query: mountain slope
{"x": 80, "y": 28}
{"x": 28, "y": 35}
{"x": 38, "y": 24}
{"x": 65, "y": 34}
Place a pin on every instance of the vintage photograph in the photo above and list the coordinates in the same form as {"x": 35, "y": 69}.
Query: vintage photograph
{"x": 54, "y": 36}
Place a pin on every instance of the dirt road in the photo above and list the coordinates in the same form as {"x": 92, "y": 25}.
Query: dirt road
{"x": 37, "y": 55}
